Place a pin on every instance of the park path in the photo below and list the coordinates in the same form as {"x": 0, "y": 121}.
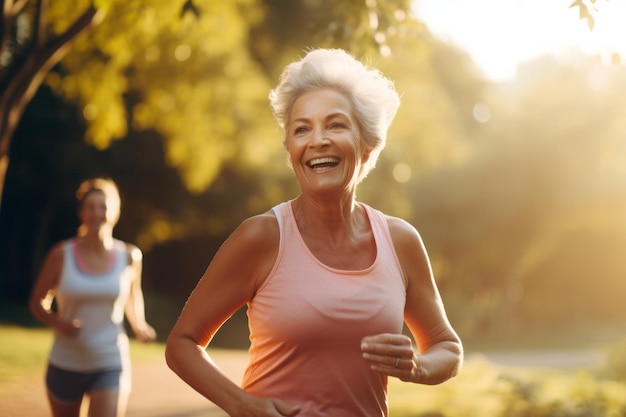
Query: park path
{"x": 158, "y": 392}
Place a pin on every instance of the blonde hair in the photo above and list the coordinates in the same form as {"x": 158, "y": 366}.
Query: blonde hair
{"x": 372, "y": 95}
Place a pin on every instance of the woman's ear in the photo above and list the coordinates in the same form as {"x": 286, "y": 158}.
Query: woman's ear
{"x": 366, "y": 156}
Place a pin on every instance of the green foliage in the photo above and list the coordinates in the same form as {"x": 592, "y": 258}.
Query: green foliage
{"x": 484, "y": 389}
{"x": 580, "y": 397}
{"x": 522, "y": 215}
{"x": 189, "y": 78}
{"x": 523, "y": 226}
{"x": 432, "y": 129}
{"x": 615, "y": 364}
{"x": 201, "y": 79}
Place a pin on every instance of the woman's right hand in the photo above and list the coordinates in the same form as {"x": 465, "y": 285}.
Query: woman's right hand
{"x": 266, "y": 407}
{"x": 69, "y": 328}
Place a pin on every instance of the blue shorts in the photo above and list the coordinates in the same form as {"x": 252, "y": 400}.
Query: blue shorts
{"x": 71, "y": 386}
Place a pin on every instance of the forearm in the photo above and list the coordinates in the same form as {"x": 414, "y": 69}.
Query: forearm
{"x": 439, "y": 363}
{"x": 135, "y": 313}
{"x": 44, "y": 314}
{"x": 194, "y": 366}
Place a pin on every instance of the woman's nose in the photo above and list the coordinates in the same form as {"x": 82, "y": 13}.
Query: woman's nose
{"x": 319, "y": 138}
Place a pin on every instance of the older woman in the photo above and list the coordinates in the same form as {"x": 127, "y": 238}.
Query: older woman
{"x": 95, "y": 279}
{"x": 328, "y": 281}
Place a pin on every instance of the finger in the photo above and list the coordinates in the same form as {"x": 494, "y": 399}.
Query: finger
{"x": 388, "y": 361}
{"x": 286, "y": 409}
{"x": 387, "y": 344}
{"x": 387, "y": 338}
{"x": 404, "y": 350}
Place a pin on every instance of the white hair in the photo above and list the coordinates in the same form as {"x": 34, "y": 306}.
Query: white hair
{"x": 372, "y": 95}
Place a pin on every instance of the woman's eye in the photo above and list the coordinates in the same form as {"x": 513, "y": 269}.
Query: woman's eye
{"x": 337, "y": 125}
{"x": 300, "y": 129}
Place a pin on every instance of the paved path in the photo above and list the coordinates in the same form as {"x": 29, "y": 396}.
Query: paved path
{"x": 157, "y": 392}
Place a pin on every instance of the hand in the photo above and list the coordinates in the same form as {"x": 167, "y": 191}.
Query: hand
{"x": 145, "y": 333}
{"x": 266, "y": 407}
{"x": 393, "y": 355}
{"x": 69, "y": 328}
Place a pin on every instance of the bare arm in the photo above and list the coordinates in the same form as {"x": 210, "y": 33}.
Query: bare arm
{"x": 42, "y": 295}
{"x": 135, "y": 306}
{"x": 230, "y": 281}
{"x": 440, "y": 350}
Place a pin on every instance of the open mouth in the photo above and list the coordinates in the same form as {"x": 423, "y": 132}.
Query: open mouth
{"x": 323, "y": 163}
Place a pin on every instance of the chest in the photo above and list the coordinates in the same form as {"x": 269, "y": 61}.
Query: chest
{"x": 353, "y": 254}
{"x": 307, "y": 304}
{"x": 85, "y": 282}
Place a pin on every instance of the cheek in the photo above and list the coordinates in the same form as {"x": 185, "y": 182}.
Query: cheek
{"x": 293, "y": 151}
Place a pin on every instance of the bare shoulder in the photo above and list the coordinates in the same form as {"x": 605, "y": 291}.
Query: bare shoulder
{"x": 56, "y": 251}
{"x": 55, "y": 255}
{"x": 402, "y": 232}
{"x": 410, "y": 250}
{"x": 132, "y": 251}
{"x": 260, "y": 232}
{"x": 53, "y": 264}
{"x": 249, "y": 252}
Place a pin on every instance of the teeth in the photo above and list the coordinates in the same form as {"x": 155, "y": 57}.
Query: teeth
{"x": 326, "y": 160}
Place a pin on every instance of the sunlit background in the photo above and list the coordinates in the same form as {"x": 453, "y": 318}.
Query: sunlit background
{"x": 508, "y": 152}
{"x": 500, "y": 35}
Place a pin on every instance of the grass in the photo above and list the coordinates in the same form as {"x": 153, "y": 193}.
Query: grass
{"x": 25, "y": 351}
{"x": 476, "y": 391}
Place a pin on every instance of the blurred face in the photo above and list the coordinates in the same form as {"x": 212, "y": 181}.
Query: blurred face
{"x": 323, "y": 142}
{"x": 97, "y": 211}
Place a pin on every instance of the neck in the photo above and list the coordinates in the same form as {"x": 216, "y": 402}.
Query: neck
{"x": 100, "y": 239}
{"x": 336, "y": 217}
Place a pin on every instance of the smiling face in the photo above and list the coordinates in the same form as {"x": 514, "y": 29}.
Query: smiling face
{"x": 323, "y": 142}
{"x": 96, "y": 211}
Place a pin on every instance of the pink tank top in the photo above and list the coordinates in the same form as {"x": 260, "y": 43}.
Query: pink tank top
{"x": 307, "y": 321}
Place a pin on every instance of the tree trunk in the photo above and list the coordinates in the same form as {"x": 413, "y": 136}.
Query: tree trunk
{"x": 26, "y": 80}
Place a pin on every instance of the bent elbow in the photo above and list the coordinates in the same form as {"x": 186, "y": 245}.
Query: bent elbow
{"x": 35, "y": 307}
{"x": 176, "y": 352}
{"x": 170, "y": 354}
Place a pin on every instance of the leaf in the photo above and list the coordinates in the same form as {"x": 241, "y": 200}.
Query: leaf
{"x": 577, "y": 3}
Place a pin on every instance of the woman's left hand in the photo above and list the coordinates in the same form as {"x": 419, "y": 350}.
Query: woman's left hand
{"x": 392, "y": 354}
{"x": 145, "y": 334}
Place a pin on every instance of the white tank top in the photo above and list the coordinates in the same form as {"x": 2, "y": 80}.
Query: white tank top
{"x": 98, "y": 301}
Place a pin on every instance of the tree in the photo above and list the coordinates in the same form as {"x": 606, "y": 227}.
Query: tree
{"x": 184, "y": 86}
{"x": 28, "y": 50}
{"x": 192, "y": 70}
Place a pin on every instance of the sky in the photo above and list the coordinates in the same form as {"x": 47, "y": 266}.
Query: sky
{"x": 500, "y": 34}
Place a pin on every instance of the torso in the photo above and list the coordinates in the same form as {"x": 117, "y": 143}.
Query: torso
{"x": 309, "y": 315}
{"x": 97, "y": 300}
